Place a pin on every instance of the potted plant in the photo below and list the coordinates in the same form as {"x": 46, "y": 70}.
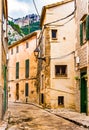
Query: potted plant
{"x": 85, "y": 76}
{"x": 77, "y": 78}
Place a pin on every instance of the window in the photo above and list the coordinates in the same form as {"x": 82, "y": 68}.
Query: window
{"x": 17, "y": 70}
{"x": 26, "y": 89}
{"x": 84, "y": 30}
{"x": 27, "y": 68}
{"x": 60, "y": 100}
{"x": 61, "y": 70}
{"x": 17, "y": 49}
{"x": 54, "y": 34}
{"x": 27, "y": 45}
{"x": 11, "y": 51}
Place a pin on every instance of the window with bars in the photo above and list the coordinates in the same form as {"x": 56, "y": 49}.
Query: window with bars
{"x": 61, "y": 70}
{"x": 27, "y": 68}
{"x": 17, "y": 70}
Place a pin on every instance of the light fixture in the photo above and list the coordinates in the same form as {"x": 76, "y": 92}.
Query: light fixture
{"x": 36, "y": 53}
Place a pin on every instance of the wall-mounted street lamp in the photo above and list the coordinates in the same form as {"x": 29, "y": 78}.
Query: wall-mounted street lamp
{"x": 36, "y": 53}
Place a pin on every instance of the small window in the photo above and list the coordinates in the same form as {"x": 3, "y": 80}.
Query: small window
{"x": 27, "y": 45}
{"x": 11, "y": 51}
{"x": 54, "y": 34}
{"x": 17, "y": 70}
{"x": 60, "y": 100}
{"x": 26, "y": 89}
{"x": 27, "y": 68}
{"x": 61, "y": 70}
{"x": 17, "y": 49}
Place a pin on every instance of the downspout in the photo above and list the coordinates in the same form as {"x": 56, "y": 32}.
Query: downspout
{"x": 5, "y": 90}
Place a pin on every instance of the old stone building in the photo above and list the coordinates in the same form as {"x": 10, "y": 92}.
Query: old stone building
{"x": 82, "y": 56}
{"x": 3, "y": 55}
{"x": 22, "y": 69}
{"x": 57, "y": 46}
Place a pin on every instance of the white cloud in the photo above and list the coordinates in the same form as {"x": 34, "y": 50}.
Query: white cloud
{"x": 21, "y": 8}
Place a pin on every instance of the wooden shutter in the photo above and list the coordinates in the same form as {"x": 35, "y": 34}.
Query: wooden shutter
{"x": 27, "y": 68}
{"x": 81, "y": 33}
{"x": 87, "y": 27}
{"x": 17, "y": 70}
{"x": 26, "y": 89}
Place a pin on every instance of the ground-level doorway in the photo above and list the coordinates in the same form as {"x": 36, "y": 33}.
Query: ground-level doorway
{"x": 17, "y": 91}
{"x": 83, "y": 91}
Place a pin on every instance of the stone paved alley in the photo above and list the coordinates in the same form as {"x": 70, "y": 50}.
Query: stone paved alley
{"x": 30, "y": 117}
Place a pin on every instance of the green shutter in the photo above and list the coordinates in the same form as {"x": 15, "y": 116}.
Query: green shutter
{"x": 81, "y": 33}
{"x": 27, "y": 68}
{"x": 17, "y": 70}
{"x": 26, "y": 89}
{"x": 87, "y": 27}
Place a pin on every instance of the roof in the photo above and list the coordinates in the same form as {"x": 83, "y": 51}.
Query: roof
{"x": 23, "y": 39}
{"x": 51, "y": 6}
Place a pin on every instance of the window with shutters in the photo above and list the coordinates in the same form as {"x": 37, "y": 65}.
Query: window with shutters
{"x": 27, "y": 68}
{"x": 26, "y": 89}
{"x": 84, "y": 30}
{"x": 17, "y": 70}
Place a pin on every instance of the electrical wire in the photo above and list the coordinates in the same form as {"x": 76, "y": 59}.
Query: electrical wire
{"x": 36, "y": 8}
{"x": 61, "y": 57}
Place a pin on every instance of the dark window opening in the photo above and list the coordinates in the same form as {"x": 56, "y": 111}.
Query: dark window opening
{"x": 27, "y": 68}
{"x": 42, "y": 98}
{"x": 17, "y": 49}
{"x": 11, "y": 51}
{"x": 61, "y": 70}
{"x": 26, "y": 89}
{"x": 17, "y": 70}
{"x": 54, "y": 34}
{"x": 27, "y": 45}
{"x": 60, "y": 100}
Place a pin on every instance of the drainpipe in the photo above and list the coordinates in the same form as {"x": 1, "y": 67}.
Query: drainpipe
{"x": 5, "y": 90}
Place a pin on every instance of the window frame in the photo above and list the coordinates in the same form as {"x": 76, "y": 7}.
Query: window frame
{"x": 17, "y": 70}
{"x": 17, "y": 49}
{"x": 26, "y": 89}
{"x": 55, "y": 31}
{"x": 61, "y": 71}
{"x": 27, "y": 67}
{"x": 27, "y": 45}
{"x": 12, "y": 51}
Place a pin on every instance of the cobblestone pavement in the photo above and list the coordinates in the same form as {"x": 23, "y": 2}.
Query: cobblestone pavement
{"x": 30, "y": 117}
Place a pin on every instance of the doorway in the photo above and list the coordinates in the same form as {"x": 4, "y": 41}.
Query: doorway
{"x": 17, "y": 91}
{"x": 83, "y": 92}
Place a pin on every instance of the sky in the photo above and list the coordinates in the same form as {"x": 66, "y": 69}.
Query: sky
{"x": 20, "y": 8}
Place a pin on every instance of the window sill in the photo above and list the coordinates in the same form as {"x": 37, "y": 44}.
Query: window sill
{"x": 61, "y": 78}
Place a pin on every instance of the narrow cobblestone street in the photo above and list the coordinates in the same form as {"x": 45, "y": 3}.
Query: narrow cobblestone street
{"x": 30, "y": 117}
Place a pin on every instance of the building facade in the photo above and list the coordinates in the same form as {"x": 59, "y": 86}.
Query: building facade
{"x": 22, "y": 69}
{"x": 82, "y": 54}
{"x": 3, "y": 55}
{"x": 57, "y": 45}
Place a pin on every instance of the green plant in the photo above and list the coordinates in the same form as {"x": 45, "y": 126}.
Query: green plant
{"x": 85, "y": 76}
{"x": 76, "y": 77}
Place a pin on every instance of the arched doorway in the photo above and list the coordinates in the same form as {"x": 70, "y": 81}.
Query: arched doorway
{"x": 17, "y": 91}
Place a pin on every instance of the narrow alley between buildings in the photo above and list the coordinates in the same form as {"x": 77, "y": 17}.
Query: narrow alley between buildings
{"x": 31, "y": 117}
